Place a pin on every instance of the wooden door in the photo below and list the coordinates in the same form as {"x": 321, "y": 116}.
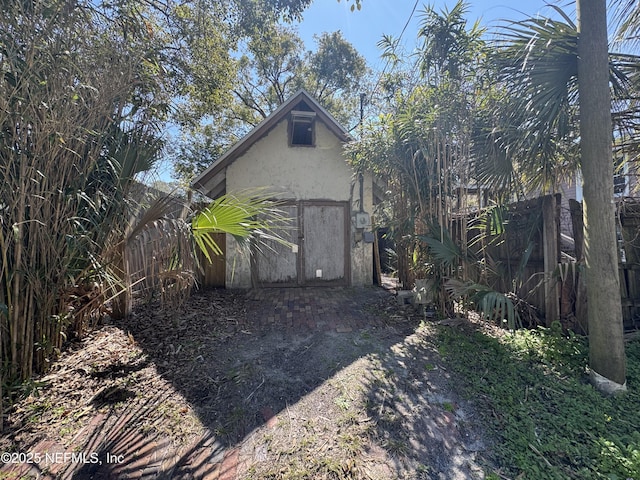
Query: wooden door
{"x": 276, "y": 264}
{"x": 325, "y": 243}
{"x": 319, "y": 254}
{"x": 214, "y": 272}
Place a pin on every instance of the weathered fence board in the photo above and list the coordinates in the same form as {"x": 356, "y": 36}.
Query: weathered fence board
{"x": 531, "y": 226}
{"x": 213, "y": 274}
{"x": 159, "y": 264}
{"x": 628, "y": 213}
{"x": 551, "y": 254}
{"x": 549, "y": 281}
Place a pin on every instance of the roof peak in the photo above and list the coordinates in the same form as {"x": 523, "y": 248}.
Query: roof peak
{"x": 264, "y": 127}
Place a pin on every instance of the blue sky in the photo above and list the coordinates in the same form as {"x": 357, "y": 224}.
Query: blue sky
{"x": 364, "y": 28}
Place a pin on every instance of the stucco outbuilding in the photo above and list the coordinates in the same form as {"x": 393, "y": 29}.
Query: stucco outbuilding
{"x": 297, "y": 153}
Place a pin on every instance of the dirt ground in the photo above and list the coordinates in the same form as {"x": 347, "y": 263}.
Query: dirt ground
{"x": 262, "y": 400}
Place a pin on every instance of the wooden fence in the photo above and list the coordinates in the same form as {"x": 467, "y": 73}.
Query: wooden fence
{"x": 159, "y": 264}
{"x": 543, "y": 266}
{"x": 629, "y": 216}
{"x": 162, "y": 263}
{"x": 520, "y": 245}
{"x": 628, "y": 236}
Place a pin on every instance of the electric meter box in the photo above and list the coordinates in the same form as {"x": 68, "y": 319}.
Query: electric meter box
{"x": 363, "y": 220}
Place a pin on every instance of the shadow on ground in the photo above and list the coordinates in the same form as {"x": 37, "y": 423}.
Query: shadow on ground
{"x": 430, "y": 430}
{"x": 282, "y": 383}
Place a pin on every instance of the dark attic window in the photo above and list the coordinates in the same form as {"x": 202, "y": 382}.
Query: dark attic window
{"x": 301, "y": 128}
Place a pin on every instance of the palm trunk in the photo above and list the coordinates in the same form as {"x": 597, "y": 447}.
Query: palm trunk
{"x": 606, "y": 339}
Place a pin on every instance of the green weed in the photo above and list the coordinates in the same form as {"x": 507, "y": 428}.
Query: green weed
{"x": 449, "y": 407}
{"x": 349, "y": 443}
{"x": 396, "y": 447}
{"x": 547, "y": 421}
{"x": 38, "y": 409}
{"x": 343, "y": 403}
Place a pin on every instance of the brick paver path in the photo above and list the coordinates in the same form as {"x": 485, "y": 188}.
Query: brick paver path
{"x": 293, "y": 309}
{"x": 320, "y": 309}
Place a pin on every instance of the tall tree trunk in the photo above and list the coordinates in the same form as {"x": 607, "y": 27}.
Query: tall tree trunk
{"x": 606, "y": 340}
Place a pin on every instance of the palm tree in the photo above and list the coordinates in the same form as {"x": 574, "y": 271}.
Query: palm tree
{"x": 536, "y": 121}
{"x": 421, "y": 147}
{"x": 557, "y": 78}
{"x": 606, "y": 339}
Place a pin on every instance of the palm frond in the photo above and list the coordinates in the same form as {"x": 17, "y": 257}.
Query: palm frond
{"x": 491, "y": 161}
{"x": 444, "y": 250}
{"x": 445, "y": 253}
{"x": 495, "y": 306}
{"x": 627, "y": 21}
{"x": 246, "y": 215}
{"x": 537, "y": 63}
{"x": 158, "y": 210}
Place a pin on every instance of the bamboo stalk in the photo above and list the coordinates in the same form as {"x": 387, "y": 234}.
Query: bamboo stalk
{"x": 2, "y": 328}
{"x": 439, "y": 177}
{"x": 27, "y": 349}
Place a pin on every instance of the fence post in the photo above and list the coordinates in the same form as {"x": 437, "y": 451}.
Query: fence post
{"x": 550, "y": 238}
{"x": 577, "y": 223}
{"x": 122, "y": 300}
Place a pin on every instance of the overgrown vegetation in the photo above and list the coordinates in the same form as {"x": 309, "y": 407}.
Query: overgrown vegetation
{"x": 419, "y": 144}
{"x": 85, "y": 89}
{"x": 471, "y": 125}
{"x": 87, "y": 85}
{"x": 547, "y": 421}
{"x": 73, "y": 137}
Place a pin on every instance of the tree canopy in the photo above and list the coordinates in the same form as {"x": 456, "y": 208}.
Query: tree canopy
{"x": 272, "y": 64}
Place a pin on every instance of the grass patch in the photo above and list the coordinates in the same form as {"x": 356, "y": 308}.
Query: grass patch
{"x": 546, "y": 420}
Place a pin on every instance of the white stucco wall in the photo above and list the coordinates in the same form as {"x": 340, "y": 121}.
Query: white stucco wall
{"x": 300, "y": 173}
{"x": 361, "y": 252}
{"x": 318, "y": 172}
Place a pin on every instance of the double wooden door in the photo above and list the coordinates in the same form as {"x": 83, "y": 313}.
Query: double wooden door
{"x": 318, "y": 254}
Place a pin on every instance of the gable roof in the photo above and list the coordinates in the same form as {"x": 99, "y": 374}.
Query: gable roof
{"x": 217, "y": 168}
